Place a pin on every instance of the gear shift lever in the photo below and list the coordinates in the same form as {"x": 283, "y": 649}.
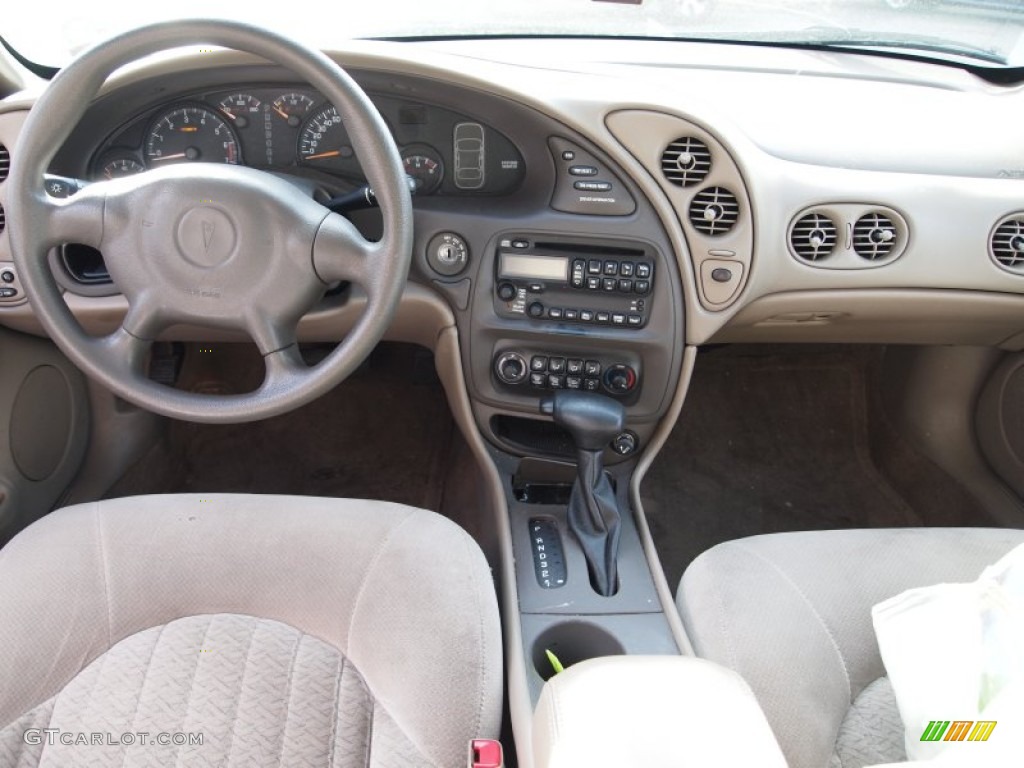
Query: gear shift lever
{"x": 593, "y": 421}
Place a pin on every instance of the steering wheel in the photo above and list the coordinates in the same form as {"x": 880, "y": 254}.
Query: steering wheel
{"x": 209, "y": 244}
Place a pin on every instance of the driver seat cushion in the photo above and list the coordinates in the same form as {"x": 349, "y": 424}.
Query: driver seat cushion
{"x": 287, "y": 631}
{"x": 791, "y": 612}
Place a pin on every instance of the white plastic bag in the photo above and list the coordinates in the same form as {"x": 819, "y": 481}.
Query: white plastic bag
{"x": 954, "y": 654}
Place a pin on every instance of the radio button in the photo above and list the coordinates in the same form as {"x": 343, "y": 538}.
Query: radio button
{"x": 643, "y": 270}
{"x": 521, "y": 244}
{"x": 626, "y": 269}
{"x": 574, "y": 367}
{"x": 506, "y": 291}
{"x": 594, "y": 267}
{"x": 536, "y": 309}
{"x": 579, "y": 268}
{"x": 594, "y": 283}
{"x": 635, "y": 320}
{"x": 610, "y": 284}
{"x": 603, "y": 317}
{"x": 625, "y": 286}
{"x": 571, "y": 314}
{"x": 556, "y": 382}
{"x": 618, "y": 319}
{"x": 611, "y": 268}
{"x": 556, "y": 365}
{"x": 642, "y": 286}
{"x": 555, "y": 313}
{"x": 592, "y": 368}
{"x": 586, "y": 316}
{"x": 538, "y": 363}
{"x": 573, "y": 382}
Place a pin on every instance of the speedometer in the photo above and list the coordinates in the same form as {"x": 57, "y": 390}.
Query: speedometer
{"x": 324, "y": 137}
{"x": 190, "y": 134}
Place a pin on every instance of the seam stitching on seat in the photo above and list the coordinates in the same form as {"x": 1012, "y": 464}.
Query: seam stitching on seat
{"x": 142, "y": 688}
{"x": 481, "y": 655}
{"x": 241, "y": 689}
{"x": 287, "y": 699}
{"x": 814, "y": 612}
{"x": 369, "y": 730}
{"x": 723, "y": 625}
{"x": 191, "y": 690}
{"x": 104, "y": 570}
{"x": 333, "y": 735}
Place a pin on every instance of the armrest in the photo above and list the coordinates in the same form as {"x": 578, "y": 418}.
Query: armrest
{"x": 619, "y": 711}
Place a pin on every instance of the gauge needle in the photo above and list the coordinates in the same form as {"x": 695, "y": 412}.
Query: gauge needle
{"x": 281, "y": 112}
{"x": 332, "y": 153}
{"x": 169, "y": 157}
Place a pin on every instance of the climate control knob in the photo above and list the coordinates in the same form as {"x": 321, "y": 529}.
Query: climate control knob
{"x": 620, "y": 379}
{"x": 510, "y": 367}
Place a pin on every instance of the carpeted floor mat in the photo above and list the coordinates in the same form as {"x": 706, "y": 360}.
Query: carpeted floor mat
{"x": 384, "y": 433}
{"x": 784, "y": 439}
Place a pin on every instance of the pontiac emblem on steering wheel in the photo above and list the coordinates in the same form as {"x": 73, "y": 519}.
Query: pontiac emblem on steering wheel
{"x": 206, "y": 237}
{"x": 209, "y": 228}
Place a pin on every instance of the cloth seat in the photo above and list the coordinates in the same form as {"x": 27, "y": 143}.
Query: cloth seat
{"x": 285, "y": 631}
{"x": 791, "y": 613}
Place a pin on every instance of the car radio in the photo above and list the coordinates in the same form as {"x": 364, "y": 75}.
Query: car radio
{"x": 571, "y": 282}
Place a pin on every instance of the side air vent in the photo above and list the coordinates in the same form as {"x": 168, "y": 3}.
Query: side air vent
{"x": 714, "y": 211}
{"x": 874, "y": 236}
{"x": 3, "y": 219}
{"x": 813, "y": 237}
{"x": 1007, "y": 243}
{"x": 686, "y": 161}
{"x": 5, "y": 162}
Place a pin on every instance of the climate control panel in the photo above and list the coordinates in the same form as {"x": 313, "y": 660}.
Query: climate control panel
{"x": 546, "y": 370}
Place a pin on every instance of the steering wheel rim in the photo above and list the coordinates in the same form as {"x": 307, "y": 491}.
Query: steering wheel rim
{"x": 209, "y": 244}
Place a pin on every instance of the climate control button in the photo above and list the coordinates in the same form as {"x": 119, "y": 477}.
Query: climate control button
{"x": 510, "y": 367}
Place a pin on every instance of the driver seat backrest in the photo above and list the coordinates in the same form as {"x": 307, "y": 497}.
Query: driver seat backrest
{"x": 791, "y": 613}
{"x": 286, "y": 631}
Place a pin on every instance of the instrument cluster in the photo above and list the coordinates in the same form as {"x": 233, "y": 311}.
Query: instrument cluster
{"x": 296, "y": 130}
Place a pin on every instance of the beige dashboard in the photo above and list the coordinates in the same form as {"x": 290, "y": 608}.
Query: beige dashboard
{"x": 845, "y": 198}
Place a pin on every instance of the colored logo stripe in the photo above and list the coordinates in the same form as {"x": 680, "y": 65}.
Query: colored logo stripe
{"x": 958, "y": 730}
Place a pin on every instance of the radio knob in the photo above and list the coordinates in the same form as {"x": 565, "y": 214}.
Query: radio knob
{"x": 620, "y": 379}
{"x": 506, "y": 291}
{"x": 510, "y": 367}
{"x": 536, "y": 309}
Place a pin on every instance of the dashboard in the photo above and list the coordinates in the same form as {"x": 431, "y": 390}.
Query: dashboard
{"x": 586, "y": 212}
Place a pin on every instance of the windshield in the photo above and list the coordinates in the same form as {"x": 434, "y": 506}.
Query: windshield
{"x": 978, "y": 31}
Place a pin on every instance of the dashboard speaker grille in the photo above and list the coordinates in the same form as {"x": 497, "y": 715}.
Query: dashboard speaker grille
{"x": 5, "y": 162}
{"x": 714, "y": 211}
{"x": 874, "y": 236}
{"x": 814, "y": 237}
{"x": 686, "y": 161}
{"x": 1007, "y": 243}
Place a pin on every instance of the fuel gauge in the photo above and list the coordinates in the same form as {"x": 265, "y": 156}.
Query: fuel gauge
{"x": 292, "y": 107}
{"x": 424, "y": 166}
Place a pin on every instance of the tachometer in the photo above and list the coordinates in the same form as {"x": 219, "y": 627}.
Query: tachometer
{"x": 190, "y": 134}
{"x": 241, "y": 108}
{"x": 324, "y": 137}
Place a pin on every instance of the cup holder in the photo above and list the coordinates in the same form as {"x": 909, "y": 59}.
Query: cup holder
{"x": 572, "y": 642}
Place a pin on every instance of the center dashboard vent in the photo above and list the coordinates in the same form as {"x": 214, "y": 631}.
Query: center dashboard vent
{"x": 1007, "y": 243}
{"x": 814, "y": 237}
{"x": 714, "y": 211}
{"x": 874, "y": 236}
{"x": 5, "y": 162}
{"x": 686, "y": 161}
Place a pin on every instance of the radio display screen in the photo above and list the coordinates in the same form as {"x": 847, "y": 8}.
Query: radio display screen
{"x": 534, "y": 267}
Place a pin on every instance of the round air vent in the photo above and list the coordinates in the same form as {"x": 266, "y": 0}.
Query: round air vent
{"x": 1007, "y": 243}
{"x": 874, "y": 236}
{"x": 5, "y": 162}
{"x": 686, "y": 161}
{"x": 714, "y": 211}
{"x": 813, "y": 237}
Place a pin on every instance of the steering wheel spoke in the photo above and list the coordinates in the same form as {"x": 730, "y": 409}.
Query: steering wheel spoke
{"x": 75, "y": 219}
{"x": 341, "y": 253}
